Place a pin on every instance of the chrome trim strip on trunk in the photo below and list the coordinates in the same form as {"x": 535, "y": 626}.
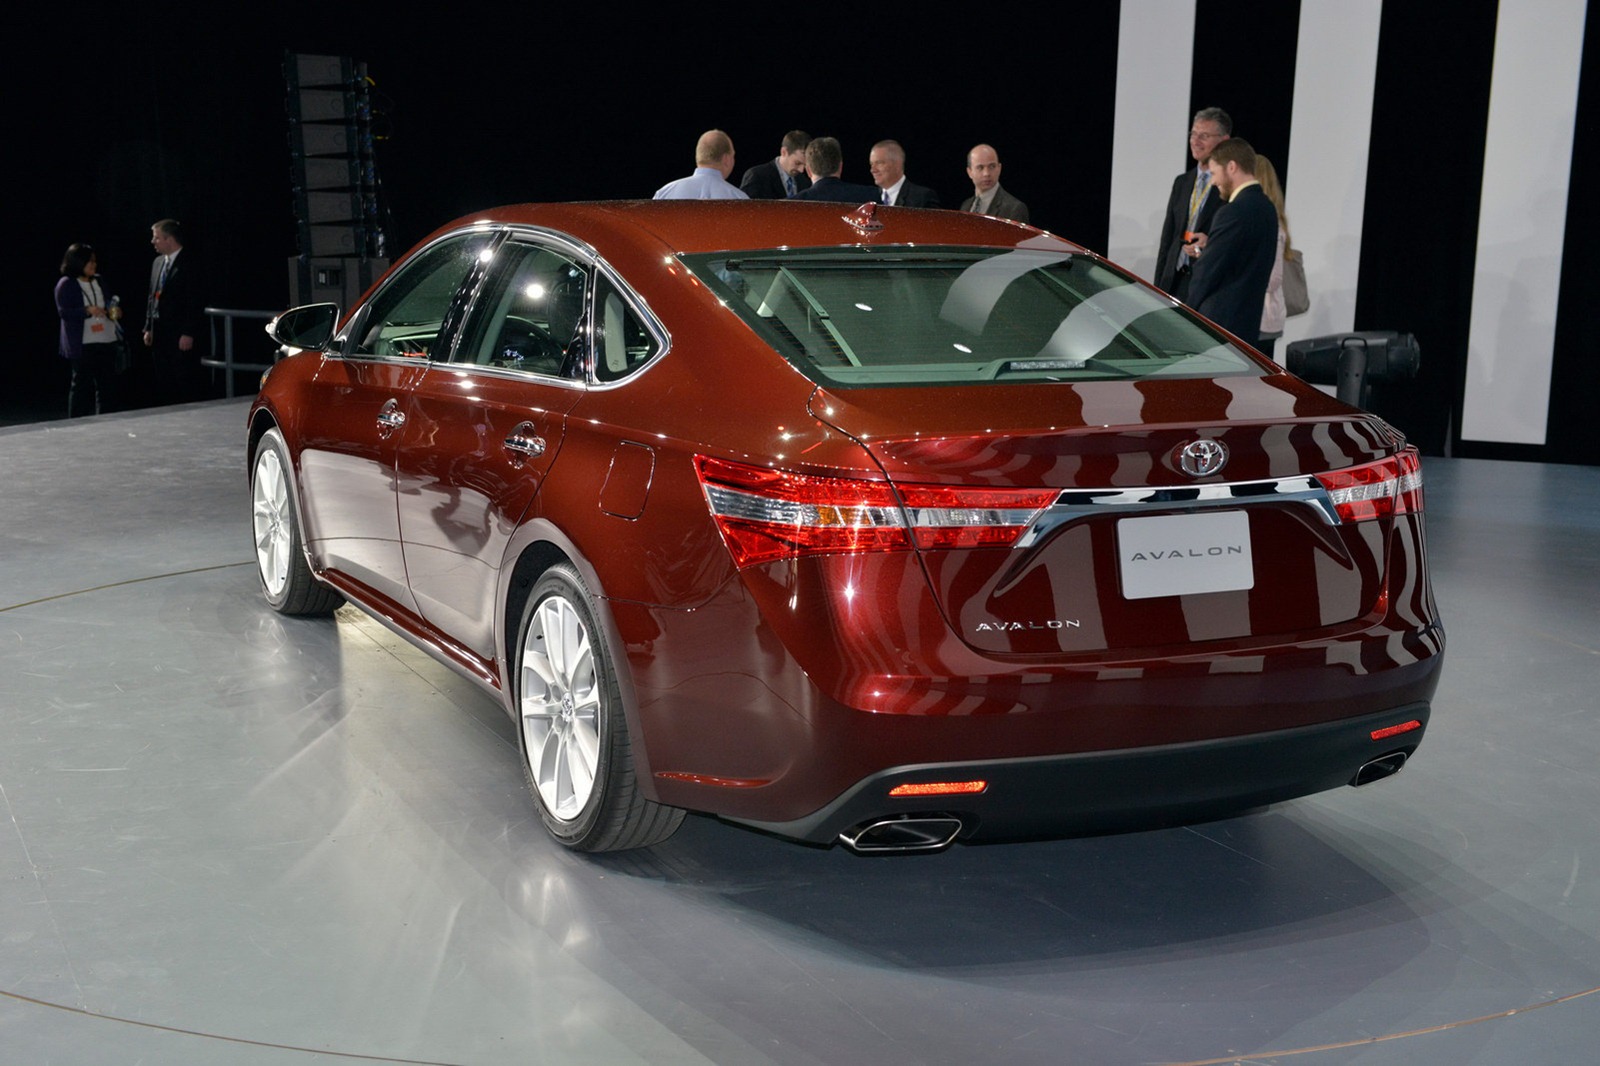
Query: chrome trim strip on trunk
{"x": 1074, "y": 505}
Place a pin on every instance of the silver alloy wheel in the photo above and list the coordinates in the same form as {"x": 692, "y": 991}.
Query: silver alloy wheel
{"x": 272, "y": 520}
{"x": 560, "y": 707}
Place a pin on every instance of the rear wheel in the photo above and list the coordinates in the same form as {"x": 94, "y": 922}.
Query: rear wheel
{"x": 286, "y": 580}
{"x": 574, "y": 739}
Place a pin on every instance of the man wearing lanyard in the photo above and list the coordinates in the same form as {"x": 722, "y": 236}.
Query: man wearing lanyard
{"x": 1191, "y": 204}
{"x": 173, "y": 315}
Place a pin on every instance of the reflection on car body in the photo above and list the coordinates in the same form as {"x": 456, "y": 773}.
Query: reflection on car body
{"x": 943, "y": 530}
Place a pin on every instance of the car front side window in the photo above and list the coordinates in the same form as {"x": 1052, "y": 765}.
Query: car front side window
{"x": 408, "y": 316}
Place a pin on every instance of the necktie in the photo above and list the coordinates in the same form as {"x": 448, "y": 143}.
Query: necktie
{"x": 153, "y": 308}
{"x": 1198, "y": 196}
{"x": 788, "y": 185}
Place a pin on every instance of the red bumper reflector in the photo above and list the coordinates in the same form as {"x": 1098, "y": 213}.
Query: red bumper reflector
{"x": 940, "y": 788}
{"x": 1395, "y": 730}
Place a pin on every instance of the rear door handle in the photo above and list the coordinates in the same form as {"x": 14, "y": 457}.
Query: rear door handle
{"x": 525, "y": 441}
{"x": 390, "y": 418}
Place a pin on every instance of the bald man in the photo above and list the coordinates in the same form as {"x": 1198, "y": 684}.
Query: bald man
{"x": 988, "y": 198}
{"x": 713, "y": 162}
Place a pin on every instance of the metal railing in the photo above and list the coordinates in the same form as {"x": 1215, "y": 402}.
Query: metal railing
{"x": 228, "y": 361}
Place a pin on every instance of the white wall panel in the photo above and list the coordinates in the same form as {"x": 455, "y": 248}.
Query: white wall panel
{"x": 1155, "y": 53}
{"x": 1522, "y": 219}
{"x": 1331, "y": 131}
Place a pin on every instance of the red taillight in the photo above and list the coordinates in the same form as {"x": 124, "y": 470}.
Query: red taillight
{"x": 767, "y": 514}
{"x": 944, "y": 517}
{"x": 1376, "y": 490}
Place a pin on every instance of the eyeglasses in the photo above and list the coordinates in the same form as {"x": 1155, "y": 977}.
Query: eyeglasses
{"x": 1200, "y": 135}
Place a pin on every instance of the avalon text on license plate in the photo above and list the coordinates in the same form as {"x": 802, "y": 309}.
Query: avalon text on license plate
{"x": 1175, "y": 555}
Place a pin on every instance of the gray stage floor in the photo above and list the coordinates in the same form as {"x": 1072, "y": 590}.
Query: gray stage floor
{"x": 228, "y": 837}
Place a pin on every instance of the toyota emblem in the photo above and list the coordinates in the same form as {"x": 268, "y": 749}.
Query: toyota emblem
{"x": 1202, "y": 458}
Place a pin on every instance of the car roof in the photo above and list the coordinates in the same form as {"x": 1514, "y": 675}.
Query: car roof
{"x": 719, "y": 225}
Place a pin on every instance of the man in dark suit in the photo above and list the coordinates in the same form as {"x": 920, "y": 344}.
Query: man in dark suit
{"x": 174, "y": 316}
{"x": 887, "y": 162}
{"x": 988, "y": 198}
{"x": 1236, "y": 256}
{"x": 1192, "y": 204}
{"x": 824, "y": 162}
{"x": 773, "y": 179}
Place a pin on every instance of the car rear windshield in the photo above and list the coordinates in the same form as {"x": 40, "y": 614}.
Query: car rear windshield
{"x": 876, "y": 316}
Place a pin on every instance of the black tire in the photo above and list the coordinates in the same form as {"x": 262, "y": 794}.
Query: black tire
{"x": 286, "y": 580}
{"x": 571, "y": 730}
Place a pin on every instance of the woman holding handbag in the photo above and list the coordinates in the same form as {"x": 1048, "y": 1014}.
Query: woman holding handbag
{"x": 90, "y": 332}
{"x": 1272, "y": 311}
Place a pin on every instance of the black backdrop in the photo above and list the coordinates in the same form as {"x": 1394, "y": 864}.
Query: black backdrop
{"x": 186, "y": 119}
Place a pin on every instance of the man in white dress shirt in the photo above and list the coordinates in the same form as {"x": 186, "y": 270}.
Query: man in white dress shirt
{"x": 887, "y": 162}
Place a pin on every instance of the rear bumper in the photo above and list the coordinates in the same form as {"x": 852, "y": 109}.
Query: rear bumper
{"x": 1132, "y": 788}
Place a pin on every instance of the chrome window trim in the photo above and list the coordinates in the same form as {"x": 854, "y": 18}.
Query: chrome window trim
{"x": 573, "y": 247}
{"x": 1075, "y": 505}
{"x": 508, "y": 374}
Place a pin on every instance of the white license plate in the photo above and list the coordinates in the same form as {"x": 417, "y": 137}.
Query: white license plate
{"x": 1176, "y": 555}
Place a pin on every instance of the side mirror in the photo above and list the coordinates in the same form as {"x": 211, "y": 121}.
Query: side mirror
{"x": 310, "y": 326}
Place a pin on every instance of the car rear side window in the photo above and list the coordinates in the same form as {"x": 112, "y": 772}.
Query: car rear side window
{"x": 623, "y": 341}
{"x": 898, "y": 316}
{"x": 528, "y": 313}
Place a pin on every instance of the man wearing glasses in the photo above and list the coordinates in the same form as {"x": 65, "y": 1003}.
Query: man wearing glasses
{"x": 1192, "y": 203}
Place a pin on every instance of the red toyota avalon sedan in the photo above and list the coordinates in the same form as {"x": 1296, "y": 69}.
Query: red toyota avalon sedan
{"x": 888, "y": 527}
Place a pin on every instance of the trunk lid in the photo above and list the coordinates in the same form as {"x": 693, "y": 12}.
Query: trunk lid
{"x": 1137, "y": 552}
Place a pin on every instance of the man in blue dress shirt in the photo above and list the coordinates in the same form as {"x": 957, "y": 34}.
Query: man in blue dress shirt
{"x": 713, "y": 162}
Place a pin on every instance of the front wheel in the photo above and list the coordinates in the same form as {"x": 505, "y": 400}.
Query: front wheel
{"x": 571, "y": 731}
{"x": 286, "y": 580}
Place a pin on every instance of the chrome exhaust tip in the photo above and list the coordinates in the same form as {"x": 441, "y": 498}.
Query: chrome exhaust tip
{"x": 1378, "y": 769}
{"x": 910, "y": 833}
